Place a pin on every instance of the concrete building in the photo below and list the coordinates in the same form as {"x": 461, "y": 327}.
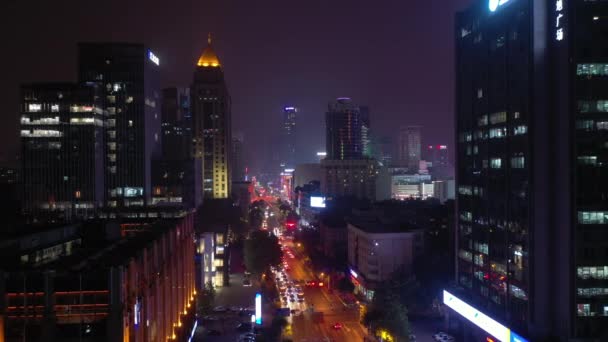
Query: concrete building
{"x": 343, "y": 124}
{"x": 306, "y": 173}
{"x": 349, "y": 178}
{"x": 238, "y": 161}
{"x": 212, "y": 248}
{"x": 212, "y": 135}
{"x": 377, "y": 248}
{"x": 409, "y": 148}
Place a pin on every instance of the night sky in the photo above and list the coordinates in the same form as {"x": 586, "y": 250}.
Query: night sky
{"x": 394, "y": 55}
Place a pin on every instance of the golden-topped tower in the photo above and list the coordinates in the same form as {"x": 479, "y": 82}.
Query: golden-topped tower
{"x": 212, "y": 127}
{"x": 208, "y": 58}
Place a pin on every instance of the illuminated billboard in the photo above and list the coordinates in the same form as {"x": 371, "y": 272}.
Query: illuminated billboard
{"x": 492, "y": 327}
{"x": 317, "y": 202}
{"x": 258, "y": 308}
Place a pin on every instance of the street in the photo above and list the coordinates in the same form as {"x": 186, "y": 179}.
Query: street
{"x": 304, "y": 326}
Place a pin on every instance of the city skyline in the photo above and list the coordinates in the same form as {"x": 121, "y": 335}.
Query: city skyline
{"x": 316, "y": 78}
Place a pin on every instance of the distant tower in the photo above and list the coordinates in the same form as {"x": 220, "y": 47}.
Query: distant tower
{"x": 410, "y": 147}
{"x": 238, "y": 164}
{"x": 288, "y": 159}
{"x": 211, "y": 114}
{"x": 365, "y": 131}
{"x": 343, "y": 127}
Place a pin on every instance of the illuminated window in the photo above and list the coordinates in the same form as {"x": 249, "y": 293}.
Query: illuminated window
{"x": 587, "y": 160}
{"x": 499, "y": 117}
{"x": 599, "y": 106}
{"x": 112, "y": 157}
{"x": 500, "y": 132}
{"x": 129, "y": 99}
{"x": 592, "y": 291}
{"x": 112, "y": 146}
{"x": 594, "y": 69}
{"x": 77, "y": 194}
{"x": 34, "y": 107}
{"x": 518, "y": 162}
{"x": 520, "y": 130}
{"x": 593, "y": 217}
{"x": 55, "y": 108}
{"x": 583, "y": 309}
{"x": 130, "y": 123}
{"x": 111, "y": 99}
{"x": 496, "y": 163}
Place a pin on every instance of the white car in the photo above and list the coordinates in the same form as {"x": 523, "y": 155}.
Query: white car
{"x": 219, "y": 309}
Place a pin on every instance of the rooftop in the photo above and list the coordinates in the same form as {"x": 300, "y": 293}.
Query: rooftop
{"x": 208, "y": 58}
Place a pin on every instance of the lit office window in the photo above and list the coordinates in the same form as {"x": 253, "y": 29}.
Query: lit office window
{"x": 518, "y": 162}
{"x": 496, "y": 163}
{"x": 592, "y": 69}
{"x": 593, "y": 217}
{"x": 592, "y": 272}
{"x": 587, "y": 160}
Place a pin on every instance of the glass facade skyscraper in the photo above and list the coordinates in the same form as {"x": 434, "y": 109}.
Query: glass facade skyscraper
{"x": 128, "y": 78}
{"x": 532, "y": 166}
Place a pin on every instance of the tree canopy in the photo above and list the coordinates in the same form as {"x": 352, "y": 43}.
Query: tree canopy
{"x": 261, "y": 250}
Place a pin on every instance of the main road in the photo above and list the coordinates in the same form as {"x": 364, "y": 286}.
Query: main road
{"x": 307, "y": 326}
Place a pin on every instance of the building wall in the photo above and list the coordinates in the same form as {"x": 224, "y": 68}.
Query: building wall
{"x": 211, "y": 110}
{"x": 349, "y": 178}
{"x": 376, "y": 256}
{"x": 62, "y": 149}
{"x": 129, "y": 81}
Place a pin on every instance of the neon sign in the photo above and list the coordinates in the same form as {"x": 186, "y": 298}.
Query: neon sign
{"x": 258, "y": 308}
{"x": 494, "y": 4}
{"x": 492, "y": 327}
{"x": 559, "y": 21}
{"x": 153, "y": 58}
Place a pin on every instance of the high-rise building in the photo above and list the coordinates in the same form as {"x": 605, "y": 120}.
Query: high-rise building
{"x": 211, "y": 114}
{"x": 176, "y": 123}
{"x": 128, "y": 78}
{"x": 288, "y": 159}
{"x": 238, "y": 163}
{"x": 343, "y": 127}
{"x": 410, "y": 147}
{"x": 366, "y": 146}
{"x": 437, "y": 155}
{"x": 62, "y": 149}
{"x": 532, "y": 171}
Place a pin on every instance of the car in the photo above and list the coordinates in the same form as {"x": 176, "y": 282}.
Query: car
{"x": 247, "y": 282}
{"x": 209, "y": 318}
{"x": 337, "y": 326}
{"x": 244, "y": 327}
{"x": 219, "y": 309}
{"x": 236, "y": 309}
{"x": 213, "y": 332}
{"x": 248, "y": 335}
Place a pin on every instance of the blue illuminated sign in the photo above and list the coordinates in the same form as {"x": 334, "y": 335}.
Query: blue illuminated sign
{"x": 494, "y": 4}
{"x": 258, "y": 308}
{"x": 492, "y": 327}
{"x": 153, "y": 58}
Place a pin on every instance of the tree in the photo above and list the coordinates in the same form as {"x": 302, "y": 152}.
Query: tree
{"x": 207, "y": 298}
{"x": 261, "y": 250}
{"x": 388, "y": 309}
{"x": 345, "y": 285}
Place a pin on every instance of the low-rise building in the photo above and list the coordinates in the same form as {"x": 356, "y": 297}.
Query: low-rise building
{"x": 86, "y": 286}
{"x": 377, "y": 248}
